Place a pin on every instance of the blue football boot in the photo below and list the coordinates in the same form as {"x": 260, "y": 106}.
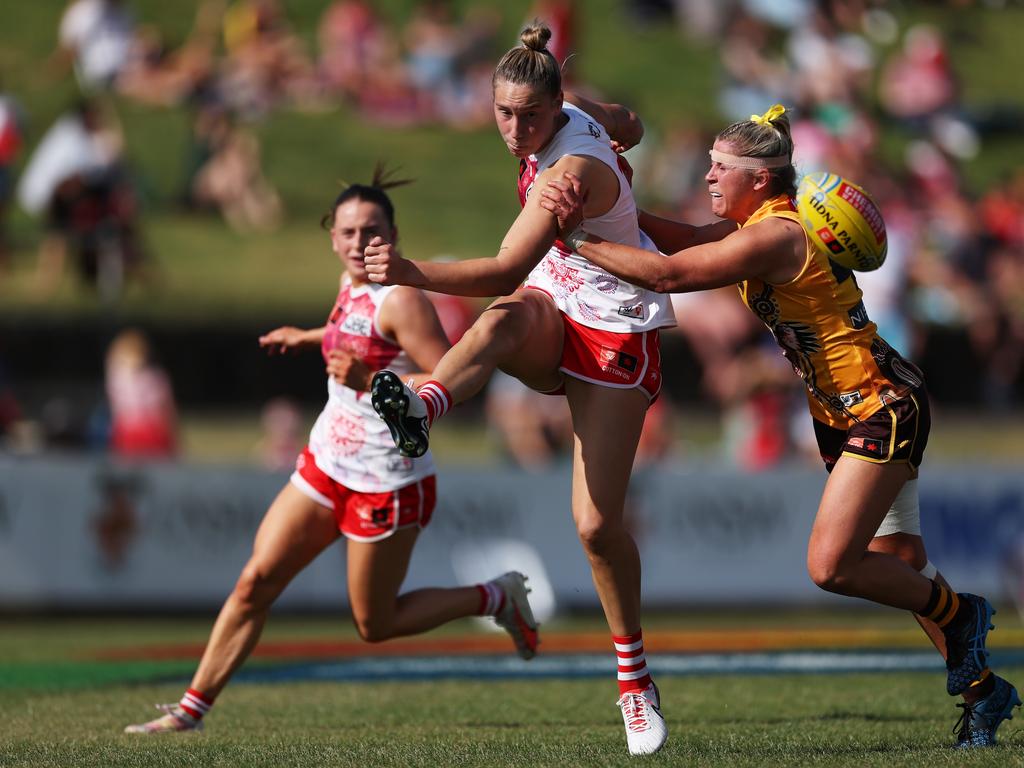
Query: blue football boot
{"x": 979, "y": 720}
{"x": 966, "y": 656}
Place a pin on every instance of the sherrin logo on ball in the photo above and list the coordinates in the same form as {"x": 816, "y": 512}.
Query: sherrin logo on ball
{"x": 843, "y": 220}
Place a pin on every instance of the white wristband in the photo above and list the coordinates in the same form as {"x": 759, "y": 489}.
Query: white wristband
{"x": 576, "y": 238}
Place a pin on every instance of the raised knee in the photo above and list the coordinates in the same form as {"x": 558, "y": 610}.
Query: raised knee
{"x": 498, "y": 321}
{"x": 372, "y": 629}
{"x": 827, "y": 575}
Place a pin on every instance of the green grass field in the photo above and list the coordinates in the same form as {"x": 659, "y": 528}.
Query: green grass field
{"x": 60, "y": 706}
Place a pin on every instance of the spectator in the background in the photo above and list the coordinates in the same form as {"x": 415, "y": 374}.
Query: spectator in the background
{"x": 10, "y": 146}
{"x": 432, "y": 40}
{"x": 751, "y": 71}
{"x": 143, "y": 417}
{"x": 267, "y": 63}
{"x": 97, "y": 37}
{"x": 560, "y": 18}
{"x": 832, "y": 63}
{"x": 749, "y": 382}
{"x": 1000, "y": 337}
{"x": 158, "y": 75}
{"x": 1002, "y": 210}
{"x": 10, "y": 409}
{"x": 281, "y": 441}
{"x": 917, "y": 83}
{"x": 534, "y": 430}
{"x": 230, "y": 178}
{"x": 350, "y": 34}
{"x": 76, "y": 178}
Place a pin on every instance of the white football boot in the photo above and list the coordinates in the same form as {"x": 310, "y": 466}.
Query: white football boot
{"x": 516, "y": 616}
{"x": 646, "y": 731}
{"x": 174, "y": 720}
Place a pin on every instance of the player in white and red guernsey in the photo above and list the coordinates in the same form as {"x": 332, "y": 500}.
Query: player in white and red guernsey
{"x": 350, "y": 480}
{"x": 563, "y": 327}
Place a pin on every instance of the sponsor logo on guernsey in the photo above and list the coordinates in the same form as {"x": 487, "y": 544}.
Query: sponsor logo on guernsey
{"x": 850, "y": 399}
{"x": 357, "y": 325}
{"x": 606, "y": 283}
{"x": 593, "y": 130}
{"x": 865, "y": 444}
{"x": 859, "y": 315}
{"x": 628, "y": 362}
{"x": 399, "y": 464}
{"x": 617, "y": 363}
{"x": 636, "y": 311}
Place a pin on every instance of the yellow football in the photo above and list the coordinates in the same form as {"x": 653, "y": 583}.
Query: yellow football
{"x": 843, "y": 220}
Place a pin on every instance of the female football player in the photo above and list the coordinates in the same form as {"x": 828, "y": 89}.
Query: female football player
{"x": 869, "y": 404}
{"x": 350, "y": 480}
{"x": 564, "y": 326}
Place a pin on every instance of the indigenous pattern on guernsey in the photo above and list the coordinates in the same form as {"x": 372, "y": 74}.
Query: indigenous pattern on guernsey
{"x": 819, "y": 320}
{"x": 350, "y": 442}
{"x": 583, "y": 291}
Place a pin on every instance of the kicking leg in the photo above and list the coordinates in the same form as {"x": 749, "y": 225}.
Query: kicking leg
{"x": 521, "y": 334}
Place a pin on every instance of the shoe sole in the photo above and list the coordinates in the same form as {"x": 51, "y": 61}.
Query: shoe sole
{"x": 387, "y": 395}
{"x": 982, "y": 625}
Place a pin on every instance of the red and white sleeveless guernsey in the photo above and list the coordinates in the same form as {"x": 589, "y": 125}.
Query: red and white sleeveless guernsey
{"x": 350, "y": 442}
{"x": 582, "y": 290}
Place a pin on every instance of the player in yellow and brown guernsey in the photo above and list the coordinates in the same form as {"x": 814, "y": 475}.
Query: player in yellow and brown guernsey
{"x": 869, "y": 404}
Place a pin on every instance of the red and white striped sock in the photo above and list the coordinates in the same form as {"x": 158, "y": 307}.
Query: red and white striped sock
{"x": 437, "y": 398}
{"x": 492, "y": 599}
{"x": 633, "y": 674}
{"x": 195, "y": 703}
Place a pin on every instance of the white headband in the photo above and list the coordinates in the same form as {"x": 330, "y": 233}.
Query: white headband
{"x": 737, "y": 161}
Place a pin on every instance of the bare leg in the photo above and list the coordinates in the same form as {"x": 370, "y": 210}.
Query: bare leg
{"x": 293, "y": 532}
{"x": 521, "y": 334}
{"x": 857, "y": 497}
{"x": 607, "y": 424}
{"x": 376, "y": 571}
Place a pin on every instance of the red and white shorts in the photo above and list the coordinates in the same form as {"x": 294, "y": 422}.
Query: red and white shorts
{"x": 366, "y": 516}
{"x": 619, "y": 360}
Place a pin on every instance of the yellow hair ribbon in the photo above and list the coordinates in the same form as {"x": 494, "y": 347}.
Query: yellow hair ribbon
{"x": 768, "y": 117}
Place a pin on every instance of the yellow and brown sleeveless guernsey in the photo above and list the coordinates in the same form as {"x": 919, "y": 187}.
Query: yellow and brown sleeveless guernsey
{"x": 820, "y": 322}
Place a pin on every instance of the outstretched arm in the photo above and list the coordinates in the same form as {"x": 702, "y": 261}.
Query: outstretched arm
{"x": 773, "y": 250}
{"x": 671, "y": 236}
{"x": 524, "y": 245}
{"x": 288, "y": 338}
{"x": 765, "y": 250}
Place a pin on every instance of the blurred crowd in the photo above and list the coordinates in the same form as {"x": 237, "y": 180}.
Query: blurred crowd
{"x": 852, "y": 72}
